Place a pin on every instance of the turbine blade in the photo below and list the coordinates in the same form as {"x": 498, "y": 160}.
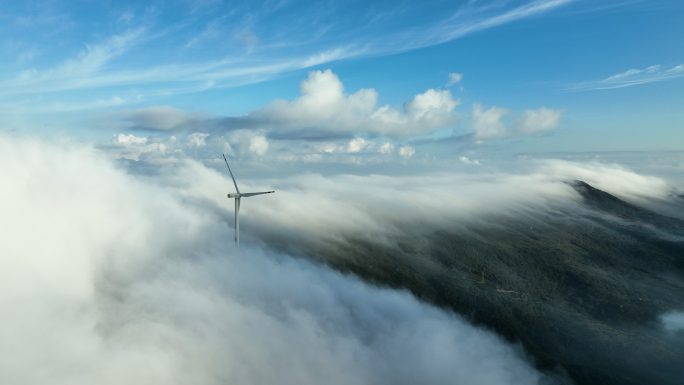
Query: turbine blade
{"x": 246, "y": 195}
{"x": 231, "y": 174}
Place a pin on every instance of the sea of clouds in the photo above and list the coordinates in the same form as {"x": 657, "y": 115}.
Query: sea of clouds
{"x": 109, "y": 276}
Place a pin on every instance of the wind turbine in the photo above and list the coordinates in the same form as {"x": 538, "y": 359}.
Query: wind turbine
{"x": 237, "y": 197}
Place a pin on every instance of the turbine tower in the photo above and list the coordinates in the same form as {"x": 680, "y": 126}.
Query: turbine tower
{"x": 237, "y": 197}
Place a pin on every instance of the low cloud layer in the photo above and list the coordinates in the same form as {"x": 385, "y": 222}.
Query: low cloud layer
{"x": 613, "y": 178}
{"x": 113, "y": 278}
{"x": 380, "y": 207}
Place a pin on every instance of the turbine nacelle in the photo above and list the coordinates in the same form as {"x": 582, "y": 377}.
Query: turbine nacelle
{"x": 247, "y": 195}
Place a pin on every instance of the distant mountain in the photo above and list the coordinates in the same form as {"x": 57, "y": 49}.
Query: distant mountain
{"x": 580, "y": 286}
{"x": 604, "y": 202}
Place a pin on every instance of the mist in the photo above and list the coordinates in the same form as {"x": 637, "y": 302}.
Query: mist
{"x": 116, "y": 274}
{"x": 108, "y": 277}
{"x": 673, "y": 321}
{"x": 313, "y": 207}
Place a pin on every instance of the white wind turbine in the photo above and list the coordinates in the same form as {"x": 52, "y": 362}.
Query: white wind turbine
{"x": 237, "y": 197}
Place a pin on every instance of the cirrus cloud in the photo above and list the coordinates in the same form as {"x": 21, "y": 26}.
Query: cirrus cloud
{"x": 633, "y": 77}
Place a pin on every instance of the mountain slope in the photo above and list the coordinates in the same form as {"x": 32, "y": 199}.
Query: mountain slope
{"x": 580, "y": 286}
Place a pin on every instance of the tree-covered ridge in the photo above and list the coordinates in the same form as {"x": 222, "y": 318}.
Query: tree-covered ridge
{"x": 581, "y": 287}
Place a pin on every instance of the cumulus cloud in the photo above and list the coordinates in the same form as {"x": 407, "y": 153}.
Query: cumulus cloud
{"x": 129, "y": 139}
{"x": 133, "y": 147}
{"x": 356, "y": 145}
{"x": 535, "y": 121}
{"x": 137, "y": 285}
{"x": 197, "y": 139}
{"x": 406, "y": 151}
{"x": 258, "y": 145}
{"x": 228, "y": 149}
{"x": 454, "y": 78}
{"x": 324, "y": 107}
{"x": 162, "y": 118}
{"x": 488, "y": 124}
{"x": 242, "y": 143}
{"x": 465, "y": 160}
{"x": 386, "y": 148}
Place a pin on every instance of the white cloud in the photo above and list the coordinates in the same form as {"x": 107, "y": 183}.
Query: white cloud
{"x": 155, "y": 293}
{"x": 679, "y": 69}
{"x": 317, "y": 208}
{"x": 406, "y": 151}
{"x": 197, "y": 139}
{"x": 487, "y": 123}
{"x": 465, "y": 160}
{"x": 129, "y": 139}
{"x": 356, "y": 145}
{"x": 245, "y": 142}
{"x": 228, "y": 149}
{"x": 71, "y": 73}
{"x": 327, "y": 39}
{"x": 327, "y": 56}
{"x": 324, "y": 107}
{"x": 454, "y": 78}
{"x": 633, "y": 77}
{"x": 386, "y": 148}
{"x": 258, "y": 145}
{"x": 432, "y": 106}
{"x": 612, "y": 178}
{"x": 470, "y": 18}
{"x": 134, "y": 147}
{"x": 535, "y": 121}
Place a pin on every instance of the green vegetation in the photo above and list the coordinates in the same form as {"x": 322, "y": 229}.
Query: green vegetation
{"x": 581, "y": 289}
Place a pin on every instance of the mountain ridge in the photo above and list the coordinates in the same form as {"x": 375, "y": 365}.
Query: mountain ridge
{"x": 581, "y": 289}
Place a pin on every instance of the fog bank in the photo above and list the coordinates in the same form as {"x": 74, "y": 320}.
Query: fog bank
{"x": 110, "y": 278}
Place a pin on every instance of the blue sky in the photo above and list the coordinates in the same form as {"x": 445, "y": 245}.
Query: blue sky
{"x": 387, "y": 81}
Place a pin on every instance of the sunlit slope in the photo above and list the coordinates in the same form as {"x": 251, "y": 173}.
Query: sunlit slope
{"x": 580, "y": 287}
